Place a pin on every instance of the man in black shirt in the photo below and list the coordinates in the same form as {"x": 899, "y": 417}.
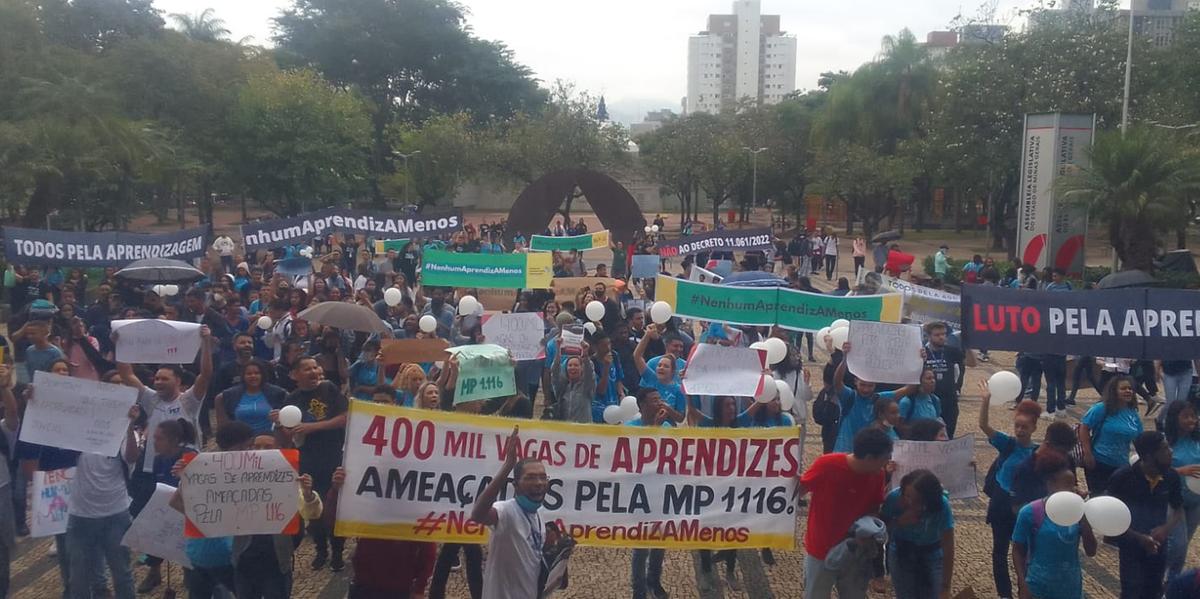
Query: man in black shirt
{"x": 323, "y": 428}
{"x": 1148, "y": 487}
{"x": 946, "y": 362}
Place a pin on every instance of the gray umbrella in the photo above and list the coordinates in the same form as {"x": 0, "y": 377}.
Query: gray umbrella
{"x": 160, "y": 270}
{"x": 1127, "y": 278}
{"x": 342, "y": 315}
{"x": 886, "y": 236}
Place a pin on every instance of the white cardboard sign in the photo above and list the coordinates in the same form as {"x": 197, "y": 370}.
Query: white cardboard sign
{"x": 883, "y": 352}
{"x": 77, "y": 414}
{"x": 951, "y": 461}
{"x": 154, "y": 341}
{"x": 234, "y": 493}
{"x": 520, "y": 333}
{"x": 158, "y": 529}
{"x": 719, "y": 370}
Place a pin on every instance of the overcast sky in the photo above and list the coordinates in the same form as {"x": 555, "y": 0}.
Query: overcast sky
{"x": 634, "y": 52}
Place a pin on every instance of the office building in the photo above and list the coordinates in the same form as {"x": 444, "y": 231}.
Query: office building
{"x": 740, "y": 57}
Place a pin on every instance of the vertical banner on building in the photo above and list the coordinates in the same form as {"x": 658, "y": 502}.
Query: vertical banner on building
{"x": 1049, "y": 231}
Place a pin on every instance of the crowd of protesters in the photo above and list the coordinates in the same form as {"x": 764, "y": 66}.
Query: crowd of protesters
{"x": 259, "y": 355}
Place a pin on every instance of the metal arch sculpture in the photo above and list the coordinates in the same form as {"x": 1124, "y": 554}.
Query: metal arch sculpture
{"x": 540, "y": 202}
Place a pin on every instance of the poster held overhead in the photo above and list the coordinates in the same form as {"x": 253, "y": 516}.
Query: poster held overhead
{"x": 77, "y": 414}
{"x": 156, "y": 341}
{"x": 885, "y": 352}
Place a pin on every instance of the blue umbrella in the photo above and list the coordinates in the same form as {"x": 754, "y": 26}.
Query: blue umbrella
{"x": 754, "y": 278}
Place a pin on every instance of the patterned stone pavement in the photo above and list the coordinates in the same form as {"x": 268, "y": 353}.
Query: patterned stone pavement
{"x": 604, "y": 573}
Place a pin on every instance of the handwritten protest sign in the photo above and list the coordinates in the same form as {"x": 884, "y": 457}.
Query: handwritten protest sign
{"x": 719, "y": 370}
{"x": 78, "y": 414}
{"x": 413, "y": 351}
{"x": 565, "y": 288}
{"x": 885, "y": 353}
{"x": 154, "y": 341}
{"x": 572, "y": 341}
{"x": 703, "y": 275}
{"x": 158, "y": 529}
{"x": 484, "y": 371}
{"x": 644, "y": 266}
{"x": 520, "y": 333}
{"x": 951, "y": 461}
{"x": 51, "y": 495}
{"x": 496, "y": 300}
{"x": 413, "y": 474}
{"x": 232, "y": 493}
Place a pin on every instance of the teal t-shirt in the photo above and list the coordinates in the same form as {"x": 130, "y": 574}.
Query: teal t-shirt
{"x": 1119, "y": 430}
{"x": 1186, "y": 452}
{"x": 857, "y": 413}
{"x": 927, "y": 407}
{"x": 1004, "y": 443}
{"x": 927, "y": 531}
{"x": 1054, "y": 571}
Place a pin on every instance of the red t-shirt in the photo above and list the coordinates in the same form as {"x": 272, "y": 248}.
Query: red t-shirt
{"x": 839, "y": 496}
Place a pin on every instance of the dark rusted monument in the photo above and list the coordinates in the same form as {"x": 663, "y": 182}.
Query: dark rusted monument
{"x": 543, "y": 200}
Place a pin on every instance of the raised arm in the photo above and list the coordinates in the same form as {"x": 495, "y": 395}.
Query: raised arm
{"x": 482, "y": 511}
{"x": 986, "y": 396}
{"x": 839, "y": 375}
{"x": 206, "y": 365}
{"x": 639, "y": 352}
{"x": 219, "y": 408}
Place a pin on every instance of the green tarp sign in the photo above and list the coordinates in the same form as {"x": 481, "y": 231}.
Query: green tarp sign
{"x": 487, "y": 271}
{"x": 759, "y": 306}
{"x": 484, "y": 371}
{"x": 549, "y": 243}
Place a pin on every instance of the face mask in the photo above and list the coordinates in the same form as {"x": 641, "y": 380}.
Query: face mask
{"x": 528, "y": 505}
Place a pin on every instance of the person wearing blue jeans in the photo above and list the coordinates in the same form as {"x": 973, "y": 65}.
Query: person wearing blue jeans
{"x": 1029, "y": 368}
{"x": 1183, "y": 435}
{"x": 84, "y": 534}
{"x": 1176, "y": 376}
{"x": 921, "y": 528}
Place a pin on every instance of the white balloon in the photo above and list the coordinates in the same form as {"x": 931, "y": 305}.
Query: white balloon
{"x": 787, "y": 398}
{"x": 468, "y": 305}
{"x": 158, "y": 290}
{"x": 769, "y": 390}
{"x": 393, "y": 296}
{"x": 661, "y": 312}
{"x": 594, "y": 311}
{"x": 590, "y": 327}
{"x": 1005, "y": 386}
{"x": 265, "y": 322}
{"x": 821, "y": 334}
{"x": 289, "y": 416}
{"x": 646, "y": 229}
{"x": 654, "y": 228}
{"x": 776, "y": 350}
{"x": 428, "y": 323}
{"x": 629, "y": 407}
{"x": 840, "y": 335}
{"x": 1064, "y": 508}
{"x": 840, "y": 323}
{"x": 171, "y": 289}
{"x": 612, "y": 414}
{"x": 1108, "y": 516}
{"x": 1193, "y": 484}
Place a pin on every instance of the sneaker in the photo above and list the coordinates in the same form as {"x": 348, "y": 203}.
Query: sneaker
{"x": 1047, "y": 416}
{"x": 984, "y": 358}
{"x": 319, "y": 560}
{"x": 768, "y": 558}
{"x": 152, "y": 580}
{"x": 659, "y": 592}
{"x": 53, "y": 551}
{"x": 23, "y": 530}
{"x": 337, "y": 564}
{"x": 1012, "y": 405}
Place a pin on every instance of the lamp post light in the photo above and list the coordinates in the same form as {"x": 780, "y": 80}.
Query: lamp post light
{"x": 407, "y": 173}
{"x": 754, "y": 178}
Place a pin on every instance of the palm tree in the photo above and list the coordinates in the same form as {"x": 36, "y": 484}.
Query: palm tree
{"x": 203, "y": 26}
{"x": 1138, "y": 185}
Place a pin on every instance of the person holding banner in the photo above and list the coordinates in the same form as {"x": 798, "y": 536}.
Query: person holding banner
{"x": 998, "y": 484}
{"x": 857, "y": 404}
{"x": 517, "y": 530}
{"x": 844, "y": 488}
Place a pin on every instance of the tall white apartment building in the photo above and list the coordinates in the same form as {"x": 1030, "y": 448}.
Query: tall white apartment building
{"x": 740, "y": 56}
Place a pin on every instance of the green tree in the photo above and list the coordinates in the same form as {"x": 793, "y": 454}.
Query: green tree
{"x": 871, "y": 184}
{"x": 443, "y": 153}
{"x": 1137, "y": 185}
{"x": 203, "y": 26}
{"x": 298, "y": 143}
{"x": 411, "y": 58}
{"x": 671, "y": 156}
{"x": 94, "y": 26}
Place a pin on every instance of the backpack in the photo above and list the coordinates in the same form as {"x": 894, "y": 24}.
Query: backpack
{"x": 826, "y": 411}
{"x": 1039, "y": 516}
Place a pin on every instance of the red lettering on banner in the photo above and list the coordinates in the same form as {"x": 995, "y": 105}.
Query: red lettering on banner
{"x": 1031, "y": 320}
{"x": 622, "y": 456}
{"x": 647, "y": 449}
{"x": 458, "y": 523}
{"x": 1006, "y": 319}
{"x": 666, "y": 458}
{"x": 374, "y": 435}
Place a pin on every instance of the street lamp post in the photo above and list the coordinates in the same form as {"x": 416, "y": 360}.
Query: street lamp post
{"x": 1128, "y": 74}
{"x": 407, "y": 174}
{"x": 754, "y": 178}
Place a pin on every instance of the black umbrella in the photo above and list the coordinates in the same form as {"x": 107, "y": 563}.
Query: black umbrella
{"x": 887, "y": 236}
{"x": 1127, "y": 278}
{"x": 160, "y": 270}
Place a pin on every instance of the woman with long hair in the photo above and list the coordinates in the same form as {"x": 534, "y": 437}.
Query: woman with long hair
{"x": 920, "y": 524}
{"x": 251, "y": 401}
{"x": 1184, "y": 437}
{"x": 1106, "y": 432}
{"x": 998, "y": 484}
{"x": 407, "y": 383}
